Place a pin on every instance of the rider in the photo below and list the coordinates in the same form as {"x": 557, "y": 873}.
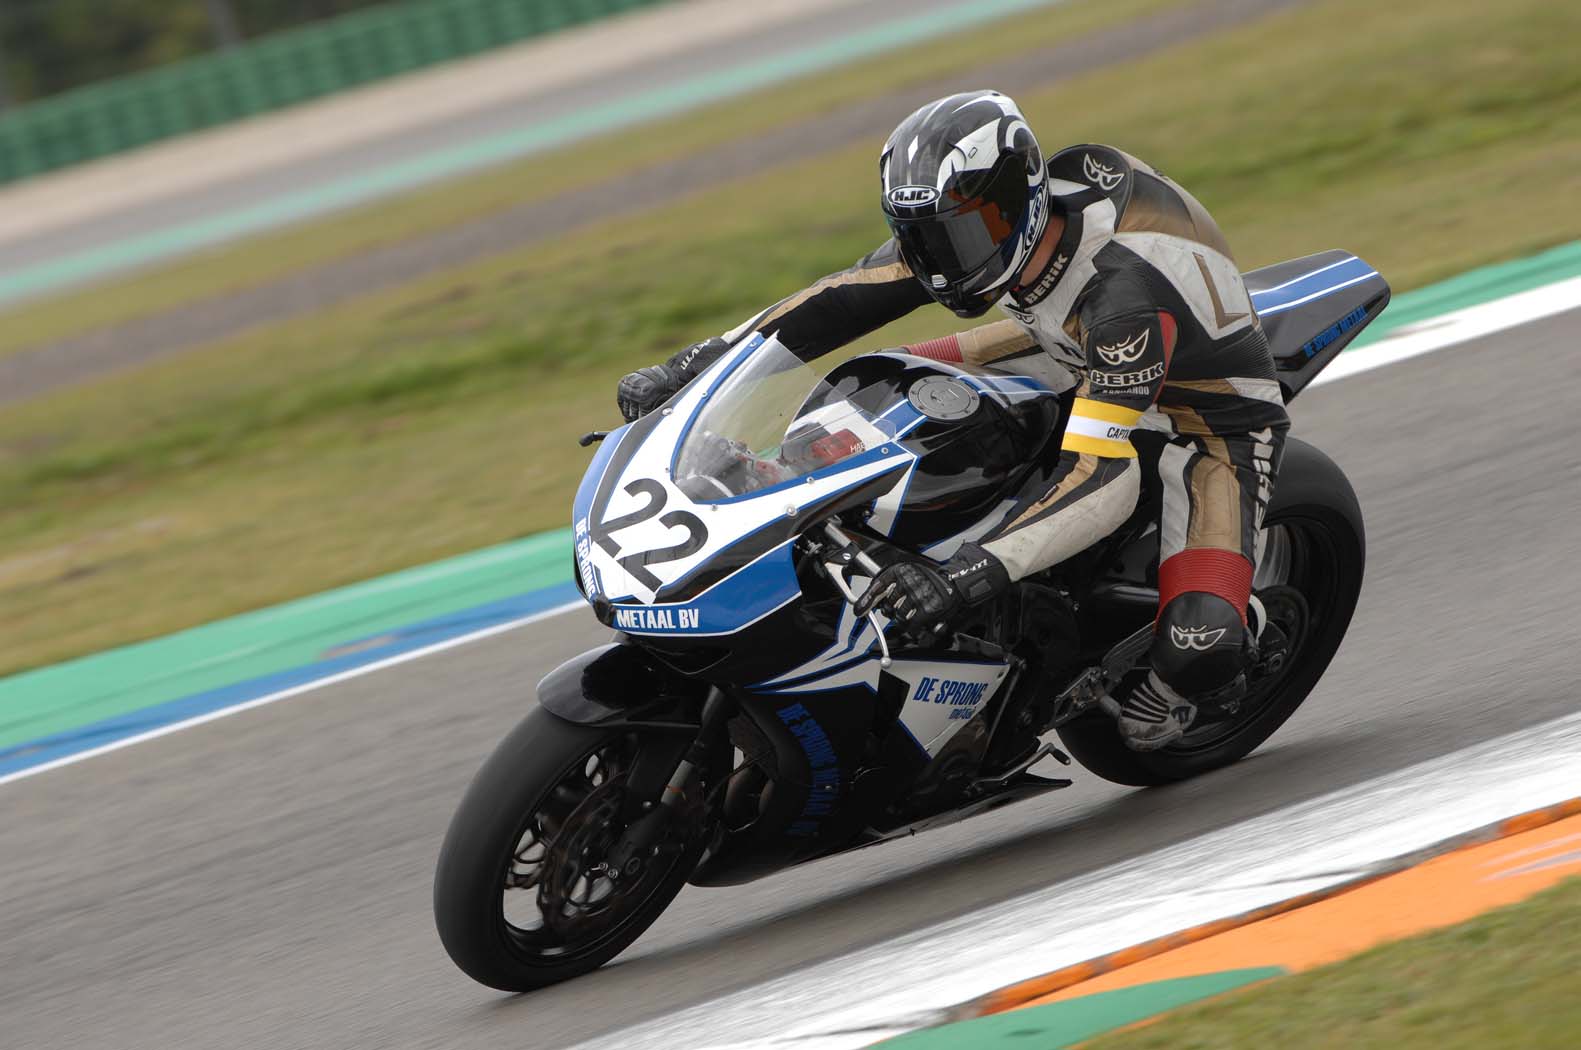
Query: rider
{"x": 1117, "y": 283}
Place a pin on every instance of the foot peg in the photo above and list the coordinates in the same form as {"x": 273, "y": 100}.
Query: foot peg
{"x": 1039, "y": 754}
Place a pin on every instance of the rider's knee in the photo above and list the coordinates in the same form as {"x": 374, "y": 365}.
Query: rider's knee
{"x": 1199, "y": 644}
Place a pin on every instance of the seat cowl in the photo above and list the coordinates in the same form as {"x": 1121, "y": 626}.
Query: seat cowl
{"x": 1311, "y": 308}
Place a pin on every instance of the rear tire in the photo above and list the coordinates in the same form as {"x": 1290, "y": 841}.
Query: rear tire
{"x": 500, "y": 834}
{"x": 1317, "y": 516}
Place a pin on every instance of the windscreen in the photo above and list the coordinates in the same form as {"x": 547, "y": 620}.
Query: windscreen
{"x": 752, "y": 433}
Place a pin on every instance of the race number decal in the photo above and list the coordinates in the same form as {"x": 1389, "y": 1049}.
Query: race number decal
{"x": 636, "y": 562}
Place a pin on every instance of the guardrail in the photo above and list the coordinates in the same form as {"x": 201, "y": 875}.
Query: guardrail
{"x": 271, "y": 73}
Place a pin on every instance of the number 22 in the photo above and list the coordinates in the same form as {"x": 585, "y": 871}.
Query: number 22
{"x": 637, "y": 562}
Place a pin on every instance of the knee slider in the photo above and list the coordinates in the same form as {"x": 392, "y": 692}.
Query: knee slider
{"x": 1199, "y": 643}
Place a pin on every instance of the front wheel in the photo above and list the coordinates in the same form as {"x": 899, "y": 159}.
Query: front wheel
{"x": 1309, "y": 579}
{"x": 525, "y": 892}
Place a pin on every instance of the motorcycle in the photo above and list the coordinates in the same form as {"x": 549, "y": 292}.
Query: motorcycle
{"x": 745, "y": 720}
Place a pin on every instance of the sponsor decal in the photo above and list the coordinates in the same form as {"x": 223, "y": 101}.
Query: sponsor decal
{"x": 1198, "y": 638}
{"x": 637, "y": 618}
{"x": 1142, "y": 377}
{"x": 963, "y": 697}
{"x": 1333, "y": 331}
{"x": 1035, "y": 220}
{"x": 584, "y": 558}
{"x": 1045, "y": 283}
{"x": 1024, "y": 316}
{"x": 824, "y": 765}
{"x": 1100, "y": 175}
{"x": 913, "y": 196}
{"x": 960, "y": 573}
{"x": 1126, "y": 352}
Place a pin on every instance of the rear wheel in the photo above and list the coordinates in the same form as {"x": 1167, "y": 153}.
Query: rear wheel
{"x": 533, "y": 884}
{"x": 1309, "y": 580}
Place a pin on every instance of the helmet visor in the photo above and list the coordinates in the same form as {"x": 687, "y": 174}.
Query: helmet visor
{"x": 961, "y": 241}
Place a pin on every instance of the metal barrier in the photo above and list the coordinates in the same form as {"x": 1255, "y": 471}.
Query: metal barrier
{"x": 271, "y": 73}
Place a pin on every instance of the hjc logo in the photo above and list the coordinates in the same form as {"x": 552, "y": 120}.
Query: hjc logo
{"x": 913, "y": 196}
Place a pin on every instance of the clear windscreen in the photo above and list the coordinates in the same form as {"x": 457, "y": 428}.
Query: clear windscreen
{"x": 752, "y": 434}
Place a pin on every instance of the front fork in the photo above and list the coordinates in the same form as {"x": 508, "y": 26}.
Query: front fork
{"x": 653, "y": 818}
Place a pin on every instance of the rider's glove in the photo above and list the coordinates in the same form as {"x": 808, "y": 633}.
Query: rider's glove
{"x": 923, "y": 599}
{"x": 644, "y": 390}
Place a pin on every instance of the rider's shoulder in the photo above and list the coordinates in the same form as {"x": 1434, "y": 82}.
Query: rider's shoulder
{"x": 1091, "y": 165}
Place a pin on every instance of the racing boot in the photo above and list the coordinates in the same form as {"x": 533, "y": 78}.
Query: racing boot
{"x": 1206, "y": 656}
{"x": 1151, "y": 715}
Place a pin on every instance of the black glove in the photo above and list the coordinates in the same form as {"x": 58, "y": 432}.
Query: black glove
{"x": 644, "y": 390}
{"x": 923, "y": 599}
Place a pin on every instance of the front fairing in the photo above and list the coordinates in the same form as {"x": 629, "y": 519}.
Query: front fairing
{"x": 685, "y": 519}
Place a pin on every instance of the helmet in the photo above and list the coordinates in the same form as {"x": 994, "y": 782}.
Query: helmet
{"x": 965, "y": 195}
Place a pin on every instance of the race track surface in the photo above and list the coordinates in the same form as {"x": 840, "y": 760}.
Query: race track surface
{"x": 264, "y": 880}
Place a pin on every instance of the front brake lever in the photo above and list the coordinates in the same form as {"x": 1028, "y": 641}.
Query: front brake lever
{"x": 867, "y": 565}
{"x": 592, "y": 437}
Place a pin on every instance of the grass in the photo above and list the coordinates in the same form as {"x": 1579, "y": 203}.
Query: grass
{"x": 261, "y": 259}
{"x": 1507, "y": 979}
{"x": 441, "y": 416}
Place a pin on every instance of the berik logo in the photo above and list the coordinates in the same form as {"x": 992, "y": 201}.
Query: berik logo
{"x": 1198, "y": 638}
{"x": 1100, "y": 175}
{"x": 1118, "y": 379}
{"x": 1124, "y": 353}
{"x": 913, "y": 196}
{"x": 1038, "y": 292}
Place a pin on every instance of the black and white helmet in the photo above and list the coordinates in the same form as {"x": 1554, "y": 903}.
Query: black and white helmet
{"x": 965, "y": 195}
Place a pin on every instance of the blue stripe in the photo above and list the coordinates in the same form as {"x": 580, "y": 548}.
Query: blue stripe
{"x": 1272, "y": 300}
{"x": 362, "y": 652}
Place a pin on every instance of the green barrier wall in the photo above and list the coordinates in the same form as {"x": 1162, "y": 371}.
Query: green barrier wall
{"x": 271, "y": 73}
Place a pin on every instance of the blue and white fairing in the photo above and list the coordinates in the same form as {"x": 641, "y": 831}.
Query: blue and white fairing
{"x": 685, "y": 521}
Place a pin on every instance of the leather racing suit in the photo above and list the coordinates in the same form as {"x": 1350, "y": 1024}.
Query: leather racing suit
{"x": 1142, "y": 310}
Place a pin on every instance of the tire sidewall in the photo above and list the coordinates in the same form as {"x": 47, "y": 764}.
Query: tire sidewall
{"x": 482, "y": 837}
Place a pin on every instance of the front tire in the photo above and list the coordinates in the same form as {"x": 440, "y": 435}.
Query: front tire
{"x": 1316, "y": 547}
{"x": 518, "y": 898}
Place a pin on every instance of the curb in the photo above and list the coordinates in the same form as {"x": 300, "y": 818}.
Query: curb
{"x": 1014, "y": 996}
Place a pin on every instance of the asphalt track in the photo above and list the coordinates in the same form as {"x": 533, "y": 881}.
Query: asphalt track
{"x": 264, "y": 880}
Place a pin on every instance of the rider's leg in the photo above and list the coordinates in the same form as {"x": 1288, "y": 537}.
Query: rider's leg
{"x": 1215, "y": 491}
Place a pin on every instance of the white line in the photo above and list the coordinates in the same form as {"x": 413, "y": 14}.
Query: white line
{"x": 905, "y": 982}
{"x": 1415, "y": 340}
{"x": 296, "y": 690}
{"x": 1282, "y": 307}
{"x": 1293, "y": 280}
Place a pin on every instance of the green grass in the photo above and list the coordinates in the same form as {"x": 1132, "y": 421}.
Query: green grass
{"x": 1509, "y": 979}
{"x": 441, "y": 416}
{"x": 261, "y": 259}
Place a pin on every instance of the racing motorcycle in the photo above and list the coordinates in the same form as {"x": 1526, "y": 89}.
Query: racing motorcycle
{"x": 744, "y": 719}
